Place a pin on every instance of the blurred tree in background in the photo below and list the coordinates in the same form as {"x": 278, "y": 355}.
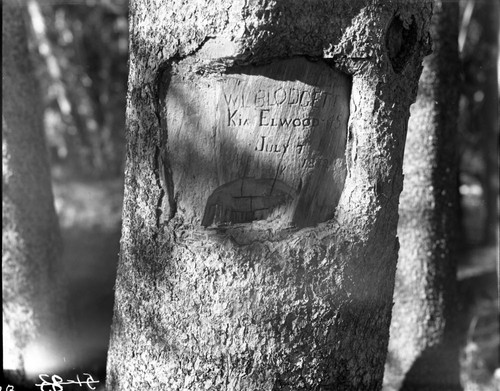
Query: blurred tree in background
{"x": 81, "y": 51}
{"x": 424, "y": 344}
{"x": 424, "y": 329}
{"x": 34, "y": 315}
{"x": 478, "y": 124}
{"x": 478, "y": 146}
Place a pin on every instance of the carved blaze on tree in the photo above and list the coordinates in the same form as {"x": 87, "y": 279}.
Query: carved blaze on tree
{"x": 283, "y": 124}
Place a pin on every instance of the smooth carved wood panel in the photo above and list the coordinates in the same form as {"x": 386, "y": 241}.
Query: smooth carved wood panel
{"x": 261, "y": 143}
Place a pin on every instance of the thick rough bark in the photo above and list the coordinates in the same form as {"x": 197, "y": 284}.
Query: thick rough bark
{"x": 30, "y": 233}
{"x": 210, "y": 295}
{"x": 423, "y": 347}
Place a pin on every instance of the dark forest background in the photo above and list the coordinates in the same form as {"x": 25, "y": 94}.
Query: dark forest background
{"x": 80, "y": 51}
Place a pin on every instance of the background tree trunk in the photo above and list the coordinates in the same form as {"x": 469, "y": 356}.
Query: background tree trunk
{"x": 296, "y": 294}
{"x": 423, "y": 347}
{"x": 32, "y": 309}
{"x": 485, "y": 117}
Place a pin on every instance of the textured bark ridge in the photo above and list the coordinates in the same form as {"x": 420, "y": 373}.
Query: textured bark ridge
{"x": 265, "y": 145}
{"x": 262, "y": 143}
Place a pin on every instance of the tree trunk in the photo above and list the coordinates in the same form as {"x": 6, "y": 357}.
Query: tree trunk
{"x": 486, "y": 117}
{"x": 423, "y": 347}
{"x": 32, "y": 309}
{"x": 264, "y": 167}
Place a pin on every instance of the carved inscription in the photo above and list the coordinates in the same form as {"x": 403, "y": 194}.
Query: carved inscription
{"x": 273, "y": 127}
{"x": 266, "y": 100}
{"x": 280, "y": 108}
